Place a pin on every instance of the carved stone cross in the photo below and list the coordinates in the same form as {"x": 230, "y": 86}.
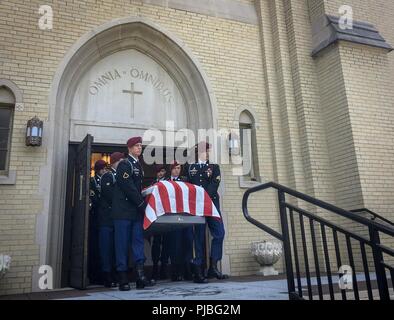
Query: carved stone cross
{"x": 132, "y": 93}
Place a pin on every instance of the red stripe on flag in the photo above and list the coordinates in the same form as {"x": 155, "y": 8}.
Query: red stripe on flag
{"x": 164, "y": 197}
{"x": 178, "y": 197}
{"x": 192, "y": 198}
{"x": 147, "y": 223}
{"x": 207, "y": 205}
{"x": 152, "y": 203}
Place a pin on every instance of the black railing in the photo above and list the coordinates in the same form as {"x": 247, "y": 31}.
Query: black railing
{"x": 324, "y": 250}
{"x": 374, "y": 215}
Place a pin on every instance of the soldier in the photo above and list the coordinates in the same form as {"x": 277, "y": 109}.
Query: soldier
{"x": 99, "y": 170}
{"x": 207, "y": 175}
{"x": 160, "y": 242}
{"x": 94, "y": 254}
{"x": 128, "y": 207}
{"x": 105, "y": 221}
{"x": 181, "y": 241}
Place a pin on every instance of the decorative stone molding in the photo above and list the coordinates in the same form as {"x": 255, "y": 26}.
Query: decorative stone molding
{"x": 19, "y": 107}
{"x": 9, "y": 179}
{"x": 267, "y": 253}
{"x": 17, "y": 92}
{"x": 252, "y": 112}
{"x": 327, "y": 31}
{"x": 120, "y": 34}
{"x": 226, "y": 9}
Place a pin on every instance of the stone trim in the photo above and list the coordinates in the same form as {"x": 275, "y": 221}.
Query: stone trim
{"x": 246, "y": 184}
{"x": 226, "y": 9}
{"x": 326, "y": 31}
{"x": 119, "y": 34}
{"x": 9, "y": 176}
{"x": 17, "y": 92}
{"x": 14, "y": 88}
{"x": 9, "y": 179}
{"x": 253, "y": 113}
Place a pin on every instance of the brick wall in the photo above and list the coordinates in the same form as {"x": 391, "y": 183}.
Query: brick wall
{"x": 266, "y": 68}
{"x": 230, "y": 54}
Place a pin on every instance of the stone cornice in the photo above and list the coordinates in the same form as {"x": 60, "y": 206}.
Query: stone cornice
{"x": 327, "y": 31}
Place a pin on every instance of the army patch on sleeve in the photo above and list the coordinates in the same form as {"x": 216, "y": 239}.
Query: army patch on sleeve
{"x": 125, "y": 175}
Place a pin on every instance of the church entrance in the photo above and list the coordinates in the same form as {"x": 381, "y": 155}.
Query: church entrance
{"x": 122, "y": 79}
{"x": 80, "y": 261}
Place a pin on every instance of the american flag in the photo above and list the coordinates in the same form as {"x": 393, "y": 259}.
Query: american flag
{"x": 177, "y": 197}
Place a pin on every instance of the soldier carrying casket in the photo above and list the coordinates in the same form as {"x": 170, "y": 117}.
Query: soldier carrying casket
{"x": 205, "y": 174}
{"x": 181, "y": 241}
{"x": 105, "y": 221}
{"x": 95, "y": 193}
{"x": 160, "y": 242}
{"x": 128, "y": 211}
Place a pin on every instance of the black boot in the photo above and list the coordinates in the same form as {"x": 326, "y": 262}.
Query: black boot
{"x": 142, "y": 281}
{"x": 124, "y": 281}
{"x": 163, "y": 271}
{"x": 176, "y": 273}
{"x": 155, "y": 272}
{"x": 108, "y": 280}
{"x": 188, "y": 275}
{"x": 198, "y": 276}
{"x": 213, "y": 271}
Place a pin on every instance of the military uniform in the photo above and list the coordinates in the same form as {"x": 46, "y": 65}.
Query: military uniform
{"x": 181, "y": 248}
{"x": 207, "y": 175}
{"x": 128, "y": 203}
{"x": 106, "y": 225}
{"x": 127, "y": 211}
{"x": 160, "y": 251}
{"x": 94, "y": 192}
{"x": 107, "y": 185}
{"x": 94, "y": 251}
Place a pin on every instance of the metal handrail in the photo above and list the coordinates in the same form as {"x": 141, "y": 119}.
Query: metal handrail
{"x": 290, "y": 242}
{"x": 320, "y": 203}
{"x": 374, "y": 214}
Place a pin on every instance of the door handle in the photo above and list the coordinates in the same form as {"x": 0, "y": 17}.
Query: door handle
{"x": 80, "y": 187}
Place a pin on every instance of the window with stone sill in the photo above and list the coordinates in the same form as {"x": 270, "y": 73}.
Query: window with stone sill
{"x": 7, "y": 106}
{"x": 248, "y": 143}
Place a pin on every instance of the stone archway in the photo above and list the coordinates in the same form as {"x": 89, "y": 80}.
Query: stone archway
{"x": 115, "y": 36}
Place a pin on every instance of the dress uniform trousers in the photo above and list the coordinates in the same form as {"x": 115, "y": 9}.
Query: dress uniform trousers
{"x": 106, "y": 246}
{"x": 160, "y": 248}
{"x": 133, "y": 231}
{"x": 216, "y": 229}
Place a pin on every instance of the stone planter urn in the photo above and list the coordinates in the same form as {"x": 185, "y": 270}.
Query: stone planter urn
{"x": 267, "y": 253}
{"x": 5, "y": 263}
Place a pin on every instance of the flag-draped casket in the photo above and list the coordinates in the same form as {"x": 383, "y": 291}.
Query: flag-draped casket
{"x": 172, "y": 204}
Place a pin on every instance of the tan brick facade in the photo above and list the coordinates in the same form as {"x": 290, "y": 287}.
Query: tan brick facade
{"x": 324, "y": 124}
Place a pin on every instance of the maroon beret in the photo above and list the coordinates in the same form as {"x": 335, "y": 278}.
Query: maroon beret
{"x": 116, "y": 156}
{"x": 174, "y": 164}
{"x": 159, "y": 167}
{"x": 99, "y": 165}
{"x": 133, "y": 141}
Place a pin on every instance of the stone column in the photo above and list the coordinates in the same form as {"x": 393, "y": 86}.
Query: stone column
{"x": 352, "y": 67}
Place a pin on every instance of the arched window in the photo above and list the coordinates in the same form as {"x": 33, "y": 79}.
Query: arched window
{"x": 248, "y": 141}
{"x": 7, "y": 106}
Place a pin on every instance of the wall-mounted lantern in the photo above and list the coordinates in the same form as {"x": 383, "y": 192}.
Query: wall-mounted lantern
{"x": 34, "y": 132}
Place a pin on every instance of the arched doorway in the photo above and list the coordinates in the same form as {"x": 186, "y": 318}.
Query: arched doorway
{"x": 141, "y": 48}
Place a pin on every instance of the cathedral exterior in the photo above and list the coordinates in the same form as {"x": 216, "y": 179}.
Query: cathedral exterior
{"x": 311, "y": 79}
